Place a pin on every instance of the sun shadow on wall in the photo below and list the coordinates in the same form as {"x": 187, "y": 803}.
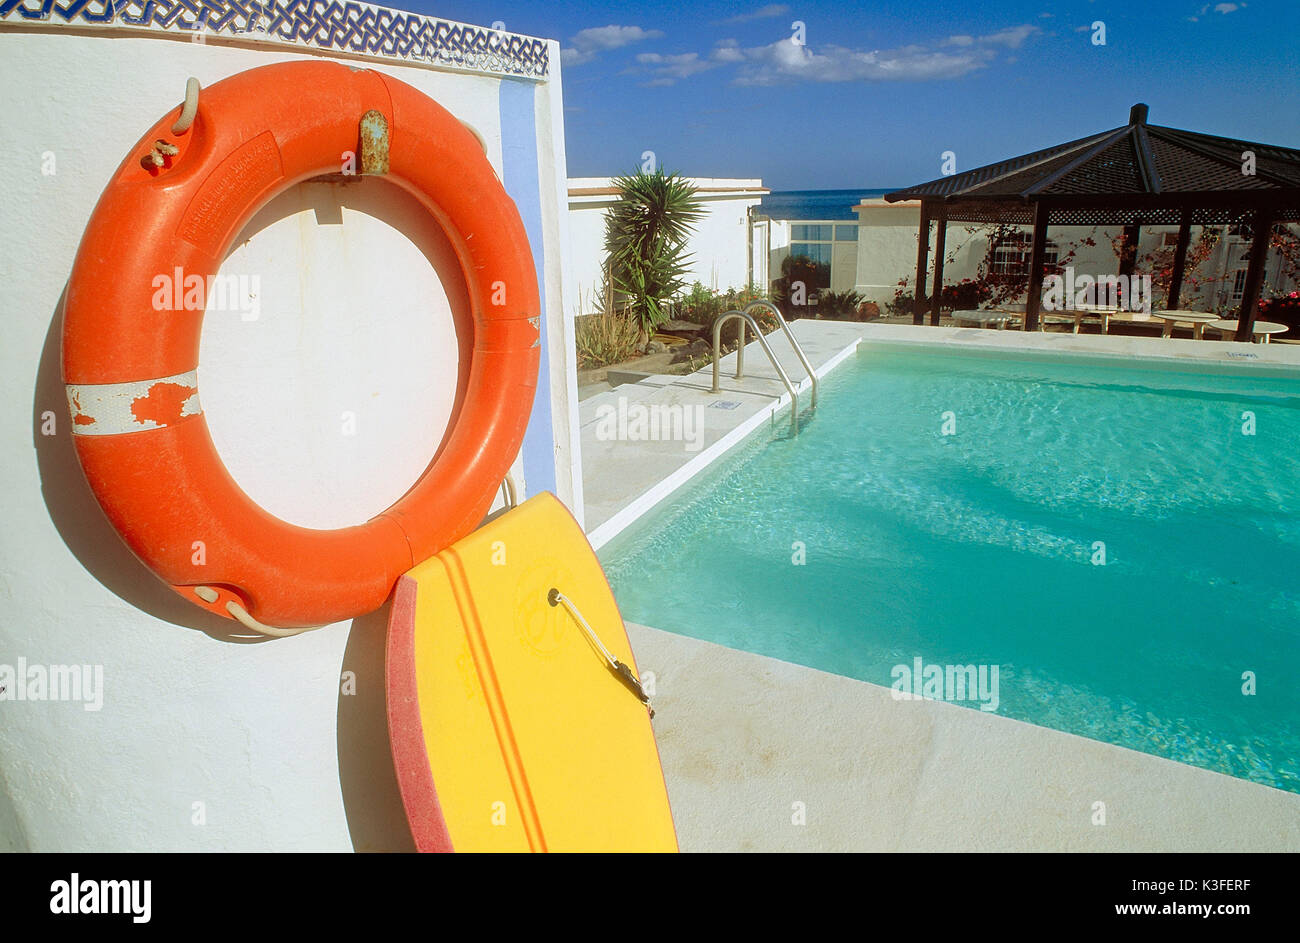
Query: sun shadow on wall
{"x": 371, "y": 800}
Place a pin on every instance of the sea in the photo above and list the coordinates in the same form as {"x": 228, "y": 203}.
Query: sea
{"x": 816, "y": 204}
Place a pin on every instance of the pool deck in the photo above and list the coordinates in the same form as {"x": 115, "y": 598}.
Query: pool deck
{"x": 743, "y": 738}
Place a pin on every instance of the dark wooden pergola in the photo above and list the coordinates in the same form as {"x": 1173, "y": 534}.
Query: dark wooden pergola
{"x": 1134, "y": 175}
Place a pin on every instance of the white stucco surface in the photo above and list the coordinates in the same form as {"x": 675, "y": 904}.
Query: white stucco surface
{"x": 326, "y": 406}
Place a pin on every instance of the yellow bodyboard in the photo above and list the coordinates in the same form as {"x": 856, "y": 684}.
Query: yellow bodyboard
{"x": 510, "y": 731}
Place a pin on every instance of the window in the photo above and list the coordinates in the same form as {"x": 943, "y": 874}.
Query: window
{"x": 1010, "y": 257}
{"x": 805, "y": 232}
{"x": 1238, "y": 284}
{"x": 819, "y": 252}
{"x": 811, "y": 251}
{"x": 1169, "y": 239}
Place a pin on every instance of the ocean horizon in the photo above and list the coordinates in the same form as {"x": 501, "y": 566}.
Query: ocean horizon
{"x": 816, "y": 204}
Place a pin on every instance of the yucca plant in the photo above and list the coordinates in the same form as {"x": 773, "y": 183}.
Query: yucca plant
{"x": 645, "y": 244}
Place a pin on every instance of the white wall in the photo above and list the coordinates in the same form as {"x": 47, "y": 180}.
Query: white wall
{"x": 886, "y": 248}
{"x": 844, "y": 266}
{"x": 358, "y": 308}
{"x": 719, "y": 245}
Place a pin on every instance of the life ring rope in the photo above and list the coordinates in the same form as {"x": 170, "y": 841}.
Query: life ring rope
{"x": 189, "y": 109}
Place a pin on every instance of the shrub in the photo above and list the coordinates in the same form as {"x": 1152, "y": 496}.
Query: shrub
{"x": 966, "y": 295}
{"x": 704, "y": 306}
{"x": 604, "y": 339}
{"x": 1284, "y": 309}
{"x": 901, "y": 306}
{"x": 701, "y": 305}
{"x": 837, "y": 304}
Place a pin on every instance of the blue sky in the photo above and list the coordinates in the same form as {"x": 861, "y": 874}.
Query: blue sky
{"x": 879, "y": 90}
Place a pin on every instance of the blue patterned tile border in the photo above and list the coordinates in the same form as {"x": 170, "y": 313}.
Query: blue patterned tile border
{"x": 358, "y": 28}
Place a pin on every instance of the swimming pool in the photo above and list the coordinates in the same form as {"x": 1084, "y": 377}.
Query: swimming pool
{"x": 1110, "y": 536}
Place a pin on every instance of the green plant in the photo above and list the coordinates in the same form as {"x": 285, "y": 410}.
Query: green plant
{"x": 645, "y": 244}
{"x": 704, "y": 306}
{"x": 701, "y": 305}
{"x": 902, "y": 305}
{"x": 604, "y": 339}
{"x": 838, "y": 304}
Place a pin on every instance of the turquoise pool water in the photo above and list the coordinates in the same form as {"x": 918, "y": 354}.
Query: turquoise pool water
{"x": 981, "y": 547}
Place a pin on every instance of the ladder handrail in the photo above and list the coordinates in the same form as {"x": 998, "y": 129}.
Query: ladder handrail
{"x": 717, "y": 341}
{"x": 798, "y": 350}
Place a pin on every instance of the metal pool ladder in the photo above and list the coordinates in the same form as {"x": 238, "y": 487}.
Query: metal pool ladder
{"x": 746, "y": 318}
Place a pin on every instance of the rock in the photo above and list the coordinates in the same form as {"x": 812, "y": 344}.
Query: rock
{"x": 695, "y": 350}
{"x": 681, "y": 328}
{"x": 656, "y": 347}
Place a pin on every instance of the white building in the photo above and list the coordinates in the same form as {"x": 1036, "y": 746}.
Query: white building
{"x": 724, "y": 248}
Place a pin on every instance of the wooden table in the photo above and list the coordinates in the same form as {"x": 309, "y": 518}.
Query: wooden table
{"x": 1196, "y": 320}
{"x": 1262, "y": 329}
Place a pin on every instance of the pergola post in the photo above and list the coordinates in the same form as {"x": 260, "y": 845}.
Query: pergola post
{"x": 1128, "y": 253}
{"x": 1261, "y": 231}
{"x": 1180, "y": 260}
{"x": 936, "y": 292}
{"x": 1036, "y": 254}
{"x": 922, "y": 251}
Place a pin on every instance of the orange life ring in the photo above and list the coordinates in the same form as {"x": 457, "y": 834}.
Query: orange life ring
{"x": 130, "y": 370}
